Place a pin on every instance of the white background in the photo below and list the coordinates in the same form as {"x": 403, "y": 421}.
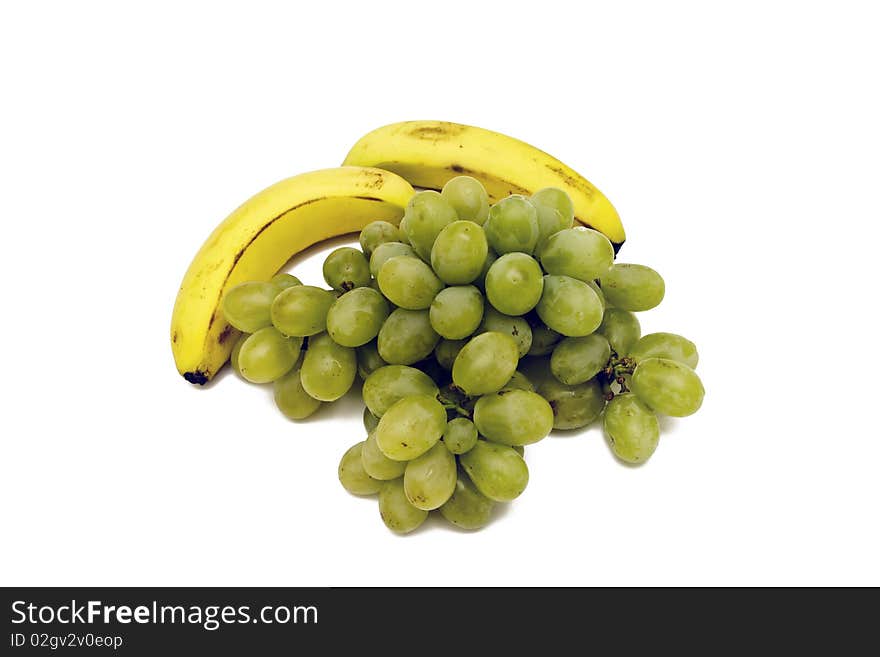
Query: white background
{"x": 739, "y": 142}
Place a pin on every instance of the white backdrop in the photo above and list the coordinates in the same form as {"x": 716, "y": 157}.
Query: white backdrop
{"x": 740, "y": 145}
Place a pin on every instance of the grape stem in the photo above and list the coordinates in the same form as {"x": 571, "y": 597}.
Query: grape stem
{"x": 616, "y": 371}
{"x": 453, "y": 399}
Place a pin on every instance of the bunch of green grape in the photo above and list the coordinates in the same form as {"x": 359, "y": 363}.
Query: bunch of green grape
{"x": 476, "y": 330}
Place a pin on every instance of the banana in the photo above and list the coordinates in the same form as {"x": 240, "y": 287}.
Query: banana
{"x": 258, "y": 238}
{"x": 429, "y": 153}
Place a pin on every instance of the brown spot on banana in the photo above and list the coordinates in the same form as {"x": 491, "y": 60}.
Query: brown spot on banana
{"x": 573, "y": 181}
{"x": 224, "y": 334}
{"x": 375, "y": 180}
{"x": 433, "y": 132}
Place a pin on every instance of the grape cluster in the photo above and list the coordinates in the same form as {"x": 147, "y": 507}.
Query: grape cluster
{"x": 476, "y": 330}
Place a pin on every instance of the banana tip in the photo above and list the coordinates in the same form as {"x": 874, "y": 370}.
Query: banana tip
{"x": 197, "y": 377}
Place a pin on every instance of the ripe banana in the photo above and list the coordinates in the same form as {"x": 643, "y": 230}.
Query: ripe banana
{"x": 429, "y": 153}
{"x": 258, "y": 238}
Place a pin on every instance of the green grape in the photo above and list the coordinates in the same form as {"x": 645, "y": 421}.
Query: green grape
{"x": 356, "y": 317}
{"x": 665, "y": 345}
{"x": 384, "y": 252}
{"x": 599, "y": 293}
{"x": 329, "y": 369}
{"x": 401, "y": 228}
{"x": 518, "y": 381}
{"x": 633, "y": 287}
{"x": 426, "y": 214}
{"x": 621, "y": 328}
{"x": 559, "y": 200}
{"x": 513, "y": 417}
{"x": 459, "y": 252}
{"x": 429, "y": 479}
{"x": 480, "y": 281}
{"x": 460, "y": 435}
{"x": 519, "y": 449}
{"x": 302, "y": 310}
{"x": 632, "y": 429}
{"x": 370, "y": 421}
{"x": 516, "y": 327}
{"x": 514, "y": 283}
{"x": 376, "y": 464}
{"x": 497, "y": 471}
{"x": 485, "y": 363}
{"x": 368, "y": 359}
{"x": 468, "y": 508}
{"x": 544, "y": 339}
{"x": 408, "y": 282}
{"x": 292, "y": 399}
{"x": 267, "y": 355}
{"x": 581, "y": 253}
{"x": 468, "y": 197}
{"x": 411, "y": 427}
{"x": 406, "y": 337}
{"x": 549, "y": 223}
{"x": 447, "y": 351}
{"x": 284, "y": 281}
{"x": 512, "y": 225}
{"x": 555, "y": 213}
{"x": 574, "y": 406}
{"x": 668, "y": 387}
{"x": 352, "y": 475}
{"x": 236, "y": 348}
{"x": 576, "y": 360}
{"x": 346, "y": 268}
{"x": 388, "y": 385}
{"x": 246, "y": 306}
{"x": 569, "y": 306}
{"x": 397, "y": 513}
{"x": 456, "y": 311}
{"x": 376, "y": 233}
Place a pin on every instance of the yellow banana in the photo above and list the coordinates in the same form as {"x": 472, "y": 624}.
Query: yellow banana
{"x": 258, "y": 238}
{"x": 429, "y": 153}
